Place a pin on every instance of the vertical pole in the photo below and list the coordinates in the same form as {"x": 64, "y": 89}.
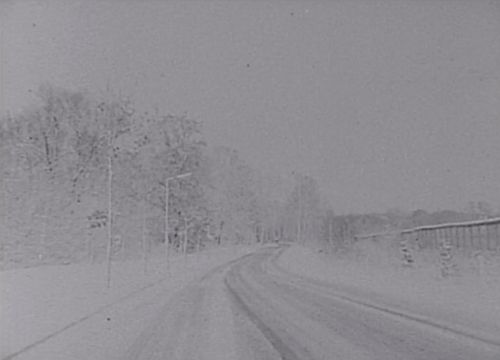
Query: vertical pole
{"x": 463, "y": 230}
{"x": 494, "y": 234}
{"x": 143, "y": 236}
{"x": 299, "y": 223}
{"x": 466, "y": 242}
{"x": 478, "y": 231}
{"x": 497, "y": 237}
{"x": 487, "y": 236}
{"x": 110, "y": 213}
{"x": 479, "y": 237}
{"x": 184, "y": 248}
{"x": 167, "y": 255}
{"x": 471, "y": 233}
{"x": 462, "y": 235}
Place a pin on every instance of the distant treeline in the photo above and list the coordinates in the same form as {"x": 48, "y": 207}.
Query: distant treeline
{"x": 85, "y": 176}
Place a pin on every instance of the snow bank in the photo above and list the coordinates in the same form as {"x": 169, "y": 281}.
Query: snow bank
{"x": 470, "y": 301}
{"x": 39, "y": 304}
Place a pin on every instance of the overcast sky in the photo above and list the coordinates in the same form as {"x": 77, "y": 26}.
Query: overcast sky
{"x": 386, "y": 103}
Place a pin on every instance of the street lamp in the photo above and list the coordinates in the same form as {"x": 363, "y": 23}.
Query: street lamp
{"x": 167, "y": 180}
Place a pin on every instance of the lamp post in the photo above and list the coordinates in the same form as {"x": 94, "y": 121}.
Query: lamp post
{"x": 167, "y": 180}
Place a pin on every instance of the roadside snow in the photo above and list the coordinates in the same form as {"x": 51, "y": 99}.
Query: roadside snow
{"x": 470, "y": 301}
{"x": 71, "y": 314}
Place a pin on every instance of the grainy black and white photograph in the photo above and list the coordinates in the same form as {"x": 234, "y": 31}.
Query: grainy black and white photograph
{"x": 249, "y": 180}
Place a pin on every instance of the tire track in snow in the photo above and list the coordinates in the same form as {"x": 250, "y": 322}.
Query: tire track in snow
{"x": 322, "y": 288}
{"x": 278, "y": 344}
{"x": 179, "y": 329}
{"x": 379, "y": 333}
{"x": 104, "y": 308}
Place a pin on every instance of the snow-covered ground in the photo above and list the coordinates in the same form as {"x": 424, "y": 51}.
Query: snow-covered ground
{"x": 469, "y": 301}
{"x": 63, "y": 312}
{"x": 66, "y": 312}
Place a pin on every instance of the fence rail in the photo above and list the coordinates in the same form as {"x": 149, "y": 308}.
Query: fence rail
{"x": 475, "y": 235}
{"x": 487, "y": 222}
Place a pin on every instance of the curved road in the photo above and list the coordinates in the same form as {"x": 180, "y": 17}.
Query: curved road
{"x": 252, "y": 309}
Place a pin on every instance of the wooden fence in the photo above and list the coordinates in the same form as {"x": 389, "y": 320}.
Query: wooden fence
{"x": 471, "y": 235}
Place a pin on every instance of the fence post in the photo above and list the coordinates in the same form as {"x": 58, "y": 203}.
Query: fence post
{"x": 480, "y": 236}
{"x": 465, "y": 232}
{"x": 405, "y": 249}
{"x": 471, "y": 233}
{"x": 497, "y": 237}
{"x": 455, "y": 236}
{"x": 487, "y": 229}
{"x": 485, "y": 237}
{"x": 459, "y": 235}
{"x": 447, "y": 266}
{"x": 463, "y": 236}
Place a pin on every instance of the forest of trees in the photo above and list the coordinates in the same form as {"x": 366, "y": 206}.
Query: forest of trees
{"x": 74, "y": 162}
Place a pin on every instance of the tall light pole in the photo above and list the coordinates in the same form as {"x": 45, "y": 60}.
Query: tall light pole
{"x": 299, "y": 220}
{"x": 167, "y": 180}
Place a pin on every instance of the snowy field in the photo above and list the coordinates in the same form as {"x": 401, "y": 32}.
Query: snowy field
{"x": 468, "y": 301}
{"x": 66, "y": 312}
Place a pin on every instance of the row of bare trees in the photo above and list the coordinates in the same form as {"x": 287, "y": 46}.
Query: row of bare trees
{"x": 85, "y": 177}
{"x": 306, "y": 218}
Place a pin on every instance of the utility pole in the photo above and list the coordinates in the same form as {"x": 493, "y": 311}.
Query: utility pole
{"x": 145, "y": 247}
{"x": 299, "y": 222}
{"x": 110, "y": 199}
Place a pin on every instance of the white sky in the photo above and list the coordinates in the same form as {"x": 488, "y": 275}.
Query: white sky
{"x": 386, "y": 103}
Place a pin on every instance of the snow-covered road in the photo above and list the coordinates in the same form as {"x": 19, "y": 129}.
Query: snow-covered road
{"x": 252, "y": 308}
{"x": 306, "y": 319}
